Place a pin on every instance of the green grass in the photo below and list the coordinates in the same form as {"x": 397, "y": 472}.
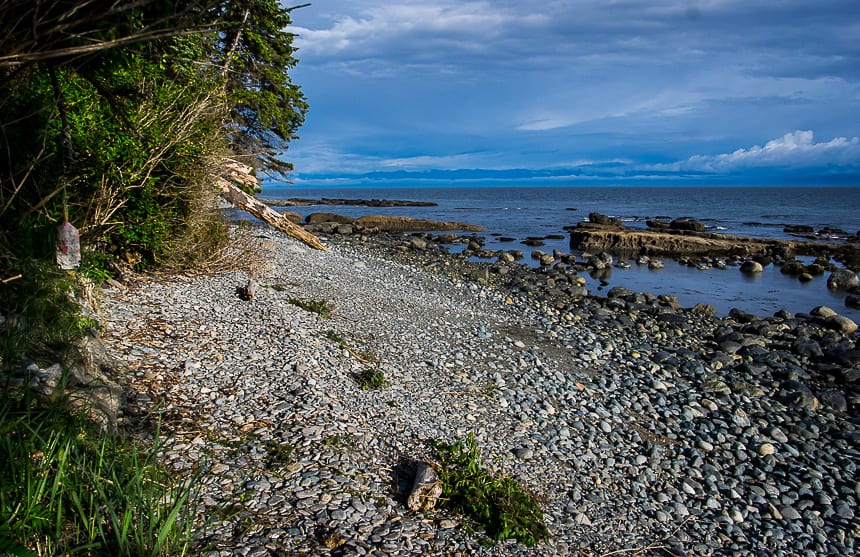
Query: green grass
{"x": 499, "y": 505}
{"x": 370, "y": 378}
{"x": 68, "y": 488}
{"x": 278, "y": 454}
{"x": 336, "y": 338}
{"x": 364, "y": 356}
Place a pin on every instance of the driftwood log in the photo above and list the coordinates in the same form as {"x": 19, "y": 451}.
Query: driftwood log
{"x": 235, "y": 173}
{"x": 426, "y": 489}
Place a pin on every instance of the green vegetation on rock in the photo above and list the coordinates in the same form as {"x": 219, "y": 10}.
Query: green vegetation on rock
{"x": 322, "y": 308}
{"x": 370, "y": 378}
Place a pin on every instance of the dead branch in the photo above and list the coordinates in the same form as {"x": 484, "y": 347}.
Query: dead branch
{"x": 229, "y": 191}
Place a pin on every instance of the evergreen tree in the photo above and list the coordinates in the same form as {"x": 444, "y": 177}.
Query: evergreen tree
{"x": 117, "y": 107}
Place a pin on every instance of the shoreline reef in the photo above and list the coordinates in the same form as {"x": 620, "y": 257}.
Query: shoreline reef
{"x": 638, "y": 425}
{"x": 601, "y": 243}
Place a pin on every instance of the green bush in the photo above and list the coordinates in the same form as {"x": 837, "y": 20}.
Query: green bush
{"x": 42, "y": 321}
{"x": 498, "y": 504}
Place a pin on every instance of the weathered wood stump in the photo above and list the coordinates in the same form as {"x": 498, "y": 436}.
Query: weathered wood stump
{"x": 426, "y": 489}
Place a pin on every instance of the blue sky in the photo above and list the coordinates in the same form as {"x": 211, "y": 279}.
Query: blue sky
{"x": 579, "y": 92}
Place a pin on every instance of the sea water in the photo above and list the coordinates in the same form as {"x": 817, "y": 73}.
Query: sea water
{"x": 522, "y": 212}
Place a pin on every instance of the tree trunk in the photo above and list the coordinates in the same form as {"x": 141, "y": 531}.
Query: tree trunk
{"x": 237, "y": 172}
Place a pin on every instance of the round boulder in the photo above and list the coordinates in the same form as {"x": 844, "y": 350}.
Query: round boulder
{"x": 318, "y": 218}
{"x": 822, "y": 311}
{"x": 841, "y": 324}
{"x": 793, "y": 268}
{"x": 751, "y": 267}
{"x": 600, "y": 260}
{"x": 834, "y": 400}
{"x": 546, "y": 260}
{"x": 704, "y": 309}
{"x": 418, "y": 244}
{"x": 742, "y": 316}
{"x": 842, "y": 279}
{"x": 293, "y": 217}
{"x": 687, "y": 224}
{"x": 599, "y": 218}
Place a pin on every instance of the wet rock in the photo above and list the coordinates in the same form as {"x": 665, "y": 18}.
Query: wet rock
{"x": 598, "y": 218}
{"x": 834, "y": 400}
{"x": 751, "y": 267}
{"x": 416, "y": 243}
{"x": 687, "y": 224}
{"x": 655, "y": 264}
{"x": 841, "y": 324}
{"x": 319, "y": 218}
{"x": 842, "y": 279}
{"x": 742, "y": 316}
{"x": 600, "y": 261}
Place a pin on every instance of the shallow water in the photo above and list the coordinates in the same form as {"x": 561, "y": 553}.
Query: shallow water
{"x": 542, "y": 211}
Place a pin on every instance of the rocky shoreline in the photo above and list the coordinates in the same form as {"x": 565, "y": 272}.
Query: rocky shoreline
{"x": 642, "y": 427}
{"x": 302, "y": 202}
{"x": 688, "y": 238}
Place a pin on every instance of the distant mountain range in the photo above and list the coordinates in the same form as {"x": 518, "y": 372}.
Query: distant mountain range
{"x": 609, "y": 173}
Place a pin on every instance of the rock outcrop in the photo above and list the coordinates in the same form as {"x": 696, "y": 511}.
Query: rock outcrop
{"x": 667, "y": 243}
{"x": 330, "y": 222}
{"x": 670, "y": 242}
{"x": 385, "y": 223}
{"x": 300, "y": 202}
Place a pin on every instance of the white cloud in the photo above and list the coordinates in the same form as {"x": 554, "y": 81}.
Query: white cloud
{"x": 412, "y": 83}
{"x": 421, "y": 162}
{"x": 793, "y": 150}
{"x": 372, "y": 31}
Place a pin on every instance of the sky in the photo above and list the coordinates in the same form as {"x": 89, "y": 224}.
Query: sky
{"x": 574, "y": 92}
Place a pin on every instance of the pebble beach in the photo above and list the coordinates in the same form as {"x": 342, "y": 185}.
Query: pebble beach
{"x": 641, "y": 428}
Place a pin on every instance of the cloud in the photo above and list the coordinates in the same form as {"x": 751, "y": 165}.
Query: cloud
{"x": 412, "y": 33}
{"x": 791, "y": 151}
{"x": 453, "y": 84}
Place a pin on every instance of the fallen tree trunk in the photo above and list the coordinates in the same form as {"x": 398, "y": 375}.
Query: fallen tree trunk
{"x": 237, "y": 172}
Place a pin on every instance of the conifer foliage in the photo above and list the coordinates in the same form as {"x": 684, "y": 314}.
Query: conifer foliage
{"x": 113, "y": 111}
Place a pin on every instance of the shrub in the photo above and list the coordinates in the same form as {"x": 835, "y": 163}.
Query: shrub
{"x": 498, "y": 504}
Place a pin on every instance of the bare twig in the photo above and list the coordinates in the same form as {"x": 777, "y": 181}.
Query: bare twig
{"x": 651, "y": 546}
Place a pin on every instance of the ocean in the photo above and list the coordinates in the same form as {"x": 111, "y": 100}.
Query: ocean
{"x": 530, "y": 211}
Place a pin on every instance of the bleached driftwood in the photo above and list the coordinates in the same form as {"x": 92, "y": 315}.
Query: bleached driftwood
{"x": 426, "y": 489}
{"x": 234, "y": 173}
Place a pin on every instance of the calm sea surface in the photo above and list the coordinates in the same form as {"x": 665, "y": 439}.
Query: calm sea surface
{"x": 520, "y": 212}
